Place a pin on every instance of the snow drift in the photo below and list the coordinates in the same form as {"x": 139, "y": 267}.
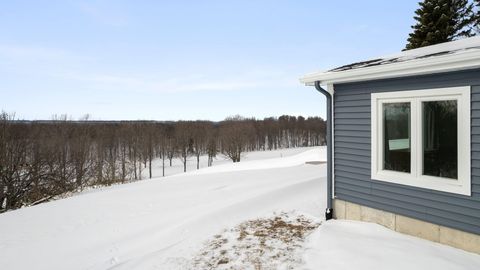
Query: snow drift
{"x": 158, "y": 223}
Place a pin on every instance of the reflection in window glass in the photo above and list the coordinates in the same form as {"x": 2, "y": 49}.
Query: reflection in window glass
{"x": 396, "y": 136}
{"x": 440, "y": 138}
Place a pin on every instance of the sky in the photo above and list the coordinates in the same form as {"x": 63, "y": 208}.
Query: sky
{"x": 184, "y": 60}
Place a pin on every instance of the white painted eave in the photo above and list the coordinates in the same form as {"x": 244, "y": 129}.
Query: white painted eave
{"x": 463, "y": 60}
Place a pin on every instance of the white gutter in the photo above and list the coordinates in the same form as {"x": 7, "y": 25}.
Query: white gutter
{"x": 460, "y": 60}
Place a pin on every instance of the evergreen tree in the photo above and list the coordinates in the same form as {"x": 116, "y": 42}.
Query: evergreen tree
{"x": 477, "y": 17}
{"x": 464, "y": 17}
{"x": 441, "y": 21}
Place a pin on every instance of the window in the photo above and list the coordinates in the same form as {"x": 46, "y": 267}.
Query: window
{"x": 422, "y": 138}
{"x": 396, "y": 135}
{"x": 439, "y": 140}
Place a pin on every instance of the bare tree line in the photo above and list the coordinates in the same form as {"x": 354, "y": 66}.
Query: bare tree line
{"x": 43, "y": 159}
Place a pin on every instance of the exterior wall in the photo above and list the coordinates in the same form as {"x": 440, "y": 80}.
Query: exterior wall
{"x": 352, "y": 155}
{"x": 402, "y": 224}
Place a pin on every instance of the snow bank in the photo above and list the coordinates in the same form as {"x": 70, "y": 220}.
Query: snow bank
{"x": 317, "y": 154}
{"x": 177, "y": 164}
{"x": 340, "y": 244}
{"x": 159, "y": 223}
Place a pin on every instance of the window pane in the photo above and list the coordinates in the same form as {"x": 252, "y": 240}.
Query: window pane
{"x": 396, "y": 136}
{"x": 440, "y": 138}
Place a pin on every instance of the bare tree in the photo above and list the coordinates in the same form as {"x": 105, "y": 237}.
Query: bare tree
{"x": 199, "y": 135}
{"x": 162, "y": 141}
{"x": 184, "y": 141}
{"x": 81, "y": 149}
{"x": 212, "y": 144}
{"x": 42, "y": 159}
{"x": 234, "y": 134}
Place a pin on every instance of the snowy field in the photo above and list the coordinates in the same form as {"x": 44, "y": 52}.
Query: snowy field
{"x": 212, "y": 219}
{"x": 177, "y": 165}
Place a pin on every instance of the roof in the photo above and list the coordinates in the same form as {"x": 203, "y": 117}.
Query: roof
{"x": 450, "y": 56}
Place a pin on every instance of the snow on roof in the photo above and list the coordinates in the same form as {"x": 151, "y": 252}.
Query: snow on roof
{"x": 457, "y": 46}
{"x": 449, "y": 53}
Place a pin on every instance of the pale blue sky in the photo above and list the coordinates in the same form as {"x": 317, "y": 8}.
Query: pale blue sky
{"x": 170, "y": 60}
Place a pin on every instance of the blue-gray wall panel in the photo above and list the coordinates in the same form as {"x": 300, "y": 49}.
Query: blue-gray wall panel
{"x": 352, "y": 166}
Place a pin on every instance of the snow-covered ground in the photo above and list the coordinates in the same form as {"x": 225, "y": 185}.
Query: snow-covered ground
{"x": 159, "y": 223}
{"x": 165, "y": 223}
{"x": 177, "y": 165}
{"x": 346, "y": 245}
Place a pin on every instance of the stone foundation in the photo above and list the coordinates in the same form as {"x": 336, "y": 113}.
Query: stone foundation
{"x": 433, "y": 232}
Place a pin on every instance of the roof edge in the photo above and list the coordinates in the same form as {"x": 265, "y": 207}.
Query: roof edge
{"x": 444, "y": 63}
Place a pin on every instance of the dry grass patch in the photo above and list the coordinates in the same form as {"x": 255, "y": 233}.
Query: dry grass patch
{"x": 267, "y": 243}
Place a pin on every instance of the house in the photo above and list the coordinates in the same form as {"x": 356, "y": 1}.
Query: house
{"x": 404, "y": 141}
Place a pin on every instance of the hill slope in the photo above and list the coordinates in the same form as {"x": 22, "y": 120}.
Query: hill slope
{"x": 158, "y": 223}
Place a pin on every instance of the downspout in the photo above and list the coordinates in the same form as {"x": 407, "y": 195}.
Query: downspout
{"x": 328, "y": 96}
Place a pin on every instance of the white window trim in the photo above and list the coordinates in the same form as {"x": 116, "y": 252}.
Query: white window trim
{"x": 415, "y": 178}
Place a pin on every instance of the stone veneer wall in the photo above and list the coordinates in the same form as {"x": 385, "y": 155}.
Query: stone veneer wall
{"x": 433, "y": 232}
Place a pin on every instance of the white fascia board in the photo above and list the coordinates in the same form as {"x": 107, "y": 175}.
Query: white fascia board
{"x": 453, "y": 62}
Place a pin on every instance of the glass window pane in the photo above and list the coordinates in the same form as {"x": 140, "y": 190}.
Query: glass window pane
{"x": 440, "y": 138}
{"x": 396, "y": 136}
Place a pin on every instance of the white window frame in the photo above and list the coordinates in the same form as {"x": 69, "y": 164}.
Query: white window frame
{"x": 415, "y": 178}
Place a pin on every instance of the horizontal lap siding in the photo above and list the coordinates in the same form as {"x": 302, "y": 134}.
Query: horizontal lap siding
{"x": 352, "y": 160}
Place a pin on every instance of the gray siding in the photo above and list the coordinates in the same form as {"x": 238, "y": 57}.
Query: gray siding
{"x": 352, "y": 161}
